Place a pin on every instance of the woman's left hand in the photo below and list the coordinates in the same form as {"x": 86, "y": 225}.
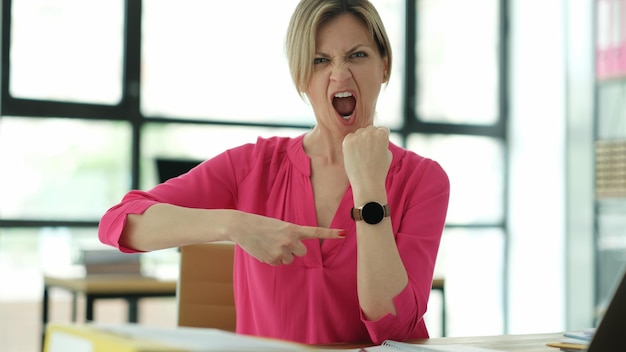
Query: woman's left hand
{"x": 366, "y": 156}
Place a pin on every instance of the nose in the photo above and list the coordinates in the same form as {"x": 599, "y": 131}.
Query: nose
{"x": 340, "y": 71}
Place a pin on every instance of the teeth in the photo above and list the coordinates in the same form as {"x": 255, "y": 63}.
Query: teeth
{"x": 343, "y": 95}
{"x": 346, "y": 117}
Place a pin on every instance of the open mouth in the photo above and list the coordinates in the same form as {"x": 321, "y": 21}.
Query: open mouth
{"x": 344, "y": 103}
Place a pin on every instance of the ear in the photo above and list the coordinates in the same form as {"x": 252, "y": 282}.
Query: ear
{"x": 385, "y": 69}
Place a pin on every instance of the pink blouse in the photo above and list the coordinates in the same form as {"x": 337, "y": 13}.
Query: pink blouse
{"x": 313, "y": 300}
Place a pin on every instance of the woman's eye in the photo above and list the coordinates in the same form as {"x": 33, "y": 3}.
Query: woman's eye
{"x": 359, "y": 54}
{"x": 319, "y": 60}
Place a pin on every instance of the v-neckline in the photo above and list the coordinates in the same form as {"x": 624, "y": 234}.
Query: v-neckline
{"x": 323, "y": 254}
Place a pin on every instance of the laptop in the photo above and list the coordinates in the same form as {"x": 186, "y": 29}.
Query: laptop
{"x": 610, "y": 332}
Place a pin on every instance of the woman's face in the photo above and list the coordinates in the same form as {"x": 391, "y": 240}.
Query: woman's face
{"x": 347, "y": 75}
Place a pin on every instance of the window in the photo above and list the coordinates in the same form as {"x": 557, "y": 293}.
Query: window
{"x": 457, "y": 61}
{"x": 458, "y": 120}
{"x": 92, "y": 94}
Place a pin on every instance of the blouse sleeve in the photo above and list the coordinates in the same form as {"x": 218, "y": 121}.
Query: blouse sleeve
{"x": 210, "y": 185}
{"x": 418, "y": 222}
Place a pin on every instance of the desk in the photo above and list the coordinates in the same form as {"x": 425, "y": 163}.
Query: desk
{"x": 128, "y": 287}
{"x": 509, "y": 343}
{"x": 520, "y": 343}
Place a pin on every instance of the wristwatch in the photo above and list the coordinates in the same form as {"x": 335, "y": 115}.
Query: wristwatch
{"x": 372, "y": 213}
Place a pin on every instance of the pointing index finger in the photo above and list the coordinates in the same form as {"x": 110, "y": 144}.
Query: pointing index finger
{"x": 322, "y": 233}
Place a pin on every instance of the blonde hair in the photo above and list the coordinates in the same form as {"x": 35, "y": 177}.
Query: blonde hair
{"x": 310, "y": 15}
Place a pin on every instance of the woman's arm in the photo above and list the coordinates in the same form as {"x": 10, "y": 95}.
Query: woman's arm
{"x": 380, "y": 272}
{"x": 269, "y": 240}
{"x": 388, "y": 262}
{"x": 165, "y": 226}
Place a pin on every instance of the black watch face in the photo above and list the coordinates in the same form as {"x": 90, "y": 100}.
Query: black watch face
{"x": 373, "y": 213}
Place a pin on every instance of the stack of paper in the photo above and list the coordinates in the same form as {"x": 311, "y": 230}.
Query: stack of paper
{"x": 574, "y": 340}
{"x": 110, "y": 261}
{"x": 137, "y": 338}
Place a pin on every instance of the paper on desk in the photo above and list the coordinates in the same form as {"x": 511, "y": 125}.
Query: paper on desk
{"x": 201, "y": 339}
{"x": 585, "y": 335}
{"x": 391, "y": 346}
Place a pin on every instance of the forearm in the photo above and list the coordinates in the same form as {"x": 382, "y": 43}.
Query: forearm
{"x": 381, "y": 275}
{"x": 380, "y": 272}
{"x": 166, "y": 226}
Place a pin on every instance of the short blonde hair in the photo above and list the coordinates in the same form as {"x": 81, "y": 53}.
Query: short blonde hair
{"x": 306, "y": 20}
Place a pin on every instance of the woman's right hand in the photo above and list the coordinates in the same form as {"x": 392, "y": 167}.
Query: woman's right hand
{"x": 274, "y": 241}
{"x": 269, "y": 240}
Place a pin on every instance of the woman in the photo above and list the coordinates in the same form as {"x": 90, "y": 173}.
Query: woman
{"x": 337, "y": 230}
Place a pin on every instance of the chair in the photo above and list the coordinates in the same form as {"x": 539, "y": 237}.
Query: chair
{"x": 205, "y": 286}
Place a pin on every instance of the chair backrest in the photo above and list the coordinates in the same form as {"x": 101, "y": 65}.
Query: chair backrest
{"x": 205, "y": 286}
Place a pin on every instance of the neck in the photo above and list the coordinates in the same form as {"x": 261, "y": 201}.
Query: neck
{"x": 324, "y": 145}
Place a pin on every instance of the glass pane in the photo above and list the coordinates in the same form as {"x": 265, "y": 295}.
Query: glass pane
{"x": 62, "y": 169}
{"x": 389, "y": 107}
{"x": 197, "y": 142}
{"x": 457, "y": 61}
{"x": 476, "y": 171}
{"x": 472, "y": 264}
{"x": 67, "y": 50}
{"x": 231, "y": 64}
{"x": 612, "y": 110}
{"x": 25, "y": 254}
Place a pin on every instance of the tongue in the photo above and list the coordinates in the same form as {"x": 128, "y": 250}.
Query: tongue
{"x": 344, "y": 106}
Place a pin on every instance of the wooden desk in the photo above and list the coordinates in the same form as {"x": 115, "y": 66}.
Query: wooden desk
{"x": 128, "y": 287}
{"x": 509, "y": 343}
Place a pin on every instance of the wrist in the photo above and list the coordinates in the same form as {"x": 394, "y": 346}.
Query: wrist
{"x": 226, "y": 224}
{"x": 361, "y": 196}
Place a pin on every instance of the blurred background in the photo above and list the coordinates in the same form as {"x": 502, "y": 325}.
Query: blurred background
{"x": 506, "y": 94}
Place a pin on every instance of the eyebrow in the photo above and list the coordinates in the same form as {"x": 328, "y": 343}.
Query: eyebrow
{"x": 351, "y": 50}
